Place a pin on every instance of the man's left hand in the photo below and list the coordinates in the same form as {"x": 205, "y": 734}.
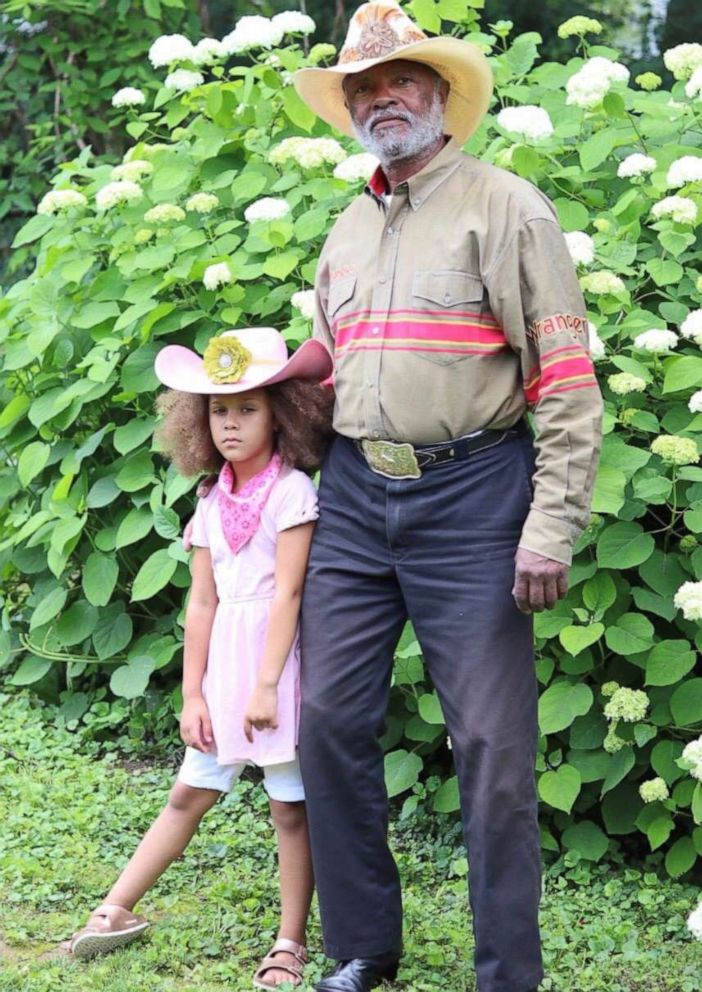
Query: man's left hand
{"x": 538, "y": 582}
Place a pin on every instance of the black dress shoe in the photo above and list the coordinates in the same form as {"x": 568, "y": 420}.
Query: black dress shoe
{"x": 361, "y": 974}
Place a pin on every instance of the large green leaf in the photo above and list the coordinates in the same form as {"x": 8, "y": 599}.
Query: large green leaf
{"x": 587, "y": 839}
{"x": 130, "y": 681}
{"x": 446, "y": 797}
{"x": 686, "y": 703}
{"x": 681, "y": 857}
{"x": 99, "y": 577}
{"x": 402, "y": 770}
{"x": 561, "y": 703}
{"x": 154, "y": 574}
{"x": 576, "y": 639}
{"x": 669, "y": 661}
{"x": 632, "y": 634}
{"x": 112, "y": 633}
{"x": 624, "y": 545}
{"x": 684, "y": 372}
{"x": 77, "y": 623}
{"x": 560, "y": 788}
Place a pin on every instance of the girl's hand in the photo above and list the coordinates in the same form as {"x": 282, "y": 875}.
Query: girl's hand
{"x": 195, "y": 725}
{"x": 262, "y": 711}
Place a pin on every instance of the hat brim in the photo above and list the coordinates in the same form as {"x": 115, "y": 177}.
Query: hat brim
{"x": 182, "y": 369}
{"x": 460, "y": 63}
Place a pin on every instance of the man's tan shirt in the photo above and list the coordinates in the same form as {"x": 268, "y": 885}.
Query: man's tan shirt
{"x": 453, "y": 306}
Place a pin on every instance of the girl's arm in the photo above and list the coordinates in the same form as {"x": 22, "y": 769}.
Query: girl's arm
{"x": 291, "y": 556}
{"x": 195, "y": 726}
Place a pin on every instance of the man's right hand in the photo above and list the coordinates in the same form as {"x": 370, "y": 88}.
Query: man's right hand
{"x": 195, "y": 725}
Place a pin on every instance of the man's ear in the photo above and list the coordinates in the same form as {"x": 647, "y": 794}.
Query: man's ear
{"x": 444, "y": 90}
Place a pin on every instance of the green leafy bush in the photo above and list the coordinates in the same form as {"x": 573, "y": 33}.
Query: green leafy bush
{"x": 93, "y": 570}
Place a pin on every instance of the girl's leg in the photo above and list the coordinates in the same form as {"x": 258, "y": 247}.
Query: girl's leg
{"x": 164, "y": 841}
{"x": 296, "y": 878}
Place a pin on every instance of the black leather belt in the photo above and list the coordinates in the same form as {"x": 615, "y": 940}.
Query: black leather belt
{"x": 401, "y": 460}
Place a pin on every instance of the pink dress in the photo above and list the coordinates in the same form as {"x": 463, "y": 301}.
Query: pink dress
{"x": 245, "y": 587}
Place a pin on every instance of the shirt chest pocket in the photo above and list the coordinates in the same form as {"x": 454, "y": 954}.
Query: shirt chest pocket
{"x": 452, "y": 301}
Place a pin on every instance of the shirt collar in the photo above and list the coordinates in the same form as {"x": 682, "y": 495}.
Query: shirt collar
{"x": 423, "y": 183}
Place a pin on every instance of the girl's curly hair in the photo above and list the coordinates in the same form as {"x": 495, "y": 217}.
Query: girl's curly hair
{"x": 303, "y": 414}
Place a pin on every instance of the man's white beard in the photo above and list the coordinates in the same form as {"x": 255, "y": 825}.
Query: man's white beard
{"x": 389, "y": 148}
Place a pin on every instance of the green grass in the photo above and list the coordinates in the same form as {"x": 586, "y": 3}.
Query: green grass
{"x": 71, "y": 818}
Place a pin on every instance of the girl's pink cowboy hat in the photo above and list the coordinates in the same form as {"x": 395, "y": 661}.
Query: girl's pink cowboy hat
{"x": 380, "y": 32}
{"x": 241, "y": 359}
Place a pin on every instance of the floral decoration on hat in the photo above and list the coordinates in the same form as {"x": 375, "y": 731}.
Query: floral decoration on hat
{"x": 226, "y": 359}
{"x": 377, "y": 29}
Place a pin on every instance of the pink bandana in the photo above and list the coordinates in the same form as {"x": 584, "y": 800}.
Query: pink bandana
{"x": 240, "y": 512}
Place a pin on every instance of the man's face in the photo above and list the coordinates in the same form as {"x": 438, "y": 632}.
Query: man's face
{"x": 397, "y": 108}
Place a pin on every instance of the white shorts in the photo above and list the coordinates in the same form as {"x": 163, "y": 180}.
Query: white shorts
{"x": 200, "y": 771}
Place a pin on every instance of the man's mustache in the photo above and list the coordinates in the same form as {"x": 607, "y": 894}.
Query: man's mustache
{"x": 385, "y": 115}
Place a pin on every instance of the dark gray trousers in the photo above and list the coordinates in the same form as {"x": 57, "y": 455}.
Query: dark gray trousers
{"x": 439, "y": 550}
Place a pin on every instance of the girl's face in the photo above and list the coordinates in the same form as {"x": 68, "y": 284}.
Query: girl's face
{"x": 242, "y": 427}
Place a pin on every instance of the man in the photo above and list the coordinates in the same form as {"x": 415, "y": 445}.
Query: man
{"x": 448, "y": 297}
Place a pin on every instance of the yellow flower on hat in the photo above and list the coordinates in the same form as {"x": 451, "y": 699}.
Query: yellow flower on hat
{"x": 226, "y": 359}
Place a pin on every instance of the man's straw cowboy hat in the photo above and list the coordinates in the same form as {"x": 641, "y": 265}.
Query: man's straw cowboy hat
{"x": 380, "y": 32}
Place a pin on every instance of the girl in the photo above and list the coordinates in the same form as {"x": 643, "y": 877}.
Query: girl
{"x": 241, "y": 410}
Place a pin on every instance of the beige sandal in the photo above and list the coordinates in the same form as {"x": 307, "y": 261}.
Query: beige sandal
{"x": 295, "y": 969}
{"x": 108, "y": 927}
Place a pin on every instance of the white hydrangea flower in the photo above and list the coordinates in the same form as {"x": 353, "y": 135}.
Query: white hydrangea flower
{"x": 656, "y": 340}
{"x": 268, "y": 208}
{"x": 636, "y": 165}
{"x": 128, "y": 96}
{"x": 691, "y": 327}
{"x": 529, "y": 122}
{"x": 654, "y": 790}
{"x": 207, "y": 51}
{"x": 596, "y": 344}
{"x": 202, "y": 203}
{"x": 170, "y": 48}
{"x": 613, "y": 742}
{"x": 694, "y": 404}
{"x": 682, "y": 60}
{"x": 694, "y": 922}
{"x": 693, "y": 87}
{"x": 623, "y": 383}
{"x": 304, "y": 302}
{"x": 687, "y": 169}
{"x": 135, "y": 169}
{"x": 692, "y": 754}
{"x": 183, "y": 80}
{"x": 121, "y": 191}
{"x": 679, "y": 208}
{"x": 357, "y": 168}
{"x": 629, "y": 705}
{"x": 252, "y": 32}
{"x": 608, "y": 689}
{"x": 57, "y": 200}
{"x": 591, "y": 83}
{"x": 164, "y": 213}
{"x": 309, "y": 153}
{"x": 688, "y": 598}
{"x": 217, "y": 275}
{"x": 581, "y": 247}
{"x": 293, "y": 22}
{"x": 601, "y": 282}
{"x": 579, "y": 26}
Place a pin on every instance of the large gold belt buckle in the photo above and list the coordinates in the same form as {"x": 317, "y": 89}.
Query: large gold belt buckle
{"x": 393, "y": 459}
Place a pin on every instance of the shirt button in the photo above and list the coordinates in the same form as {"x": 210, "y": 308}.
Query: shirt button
{"x": 391, "y": 230}
{"x": 382, "y": 279}
{"x": 447, "y": 297}
{"x": 375, "y": 330}
{"x": 376, "y": 433}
